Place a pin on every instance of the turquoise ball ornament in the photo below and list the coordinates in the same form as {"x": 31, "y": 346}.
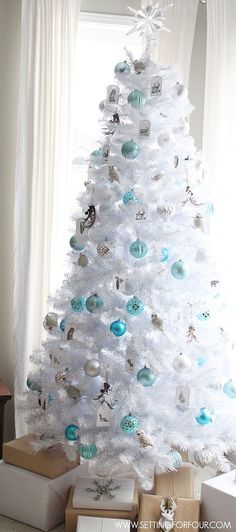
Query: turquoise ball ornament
{"x": 137, "y": 99}
{"x": 229, "y": 389}
{"x": 129, "y": 424}
{"x": 34, "y": 385}
{"x": 178, "y": 270}
{"x": 62, "y": 325}
{"x": 130, "y": 150}
{"x": 135, "y": 306}
{"x": 97, "y": 153}
{"x": 201, "y": 360}
{"x": 209, "y": 209}
{"x": 122, "y": 68}
{"x": 75, "y": 243}
{"x": 176, "y": 458}
{"x": 203, "y": 316}
{"x": 164, "y": 254}
{"x": 204, "y": 417}
{"x": 146, "y": 376}
{"x": 94, "y": 303}
{"x": 88, "y": 451}
{"x": 118, "y": 328}
{"x": 78, "y": 304}
{"x": 71, "y": 432}
{"x": 129, "y": 196}
{"x": 138, "y": 249}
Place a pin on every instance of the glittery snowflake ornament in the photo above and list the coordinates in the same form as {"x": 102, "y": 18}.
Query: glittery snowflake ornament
{"x": 149, "y": 19}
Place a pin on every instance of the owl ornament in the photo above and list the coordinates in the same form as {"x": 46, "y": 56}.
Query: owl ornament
{"x": 143, "y": 439}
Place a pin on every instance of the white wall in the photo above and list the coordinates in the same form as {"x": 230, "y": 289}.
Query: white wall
{"x": 9, "y": 68}
{"x": 118, "y": 7}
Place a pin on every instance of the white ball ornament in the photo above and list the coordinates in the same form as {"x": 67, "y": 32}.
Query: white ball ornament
{"x": 165, "y": 139}
{"x": 182, "y": 363}
{"x": 92, "y": 368}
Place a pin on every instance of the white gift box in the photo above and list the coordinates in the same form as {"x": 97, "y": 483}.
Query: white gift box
{"x": 98, "y": 524}
{"x": 218, "y": 500}
{"x": 105, "y": 493}
{"x": 33, "y": 499}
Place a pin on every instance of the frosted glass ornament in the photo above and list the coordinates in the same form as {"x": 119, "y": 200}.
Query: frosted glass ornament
{"x": 118, "y": 328}
{"x": 130, "y": 150}
{"x": 176, "y": 458}
{"x": 78, "y": 304}
{"x": 92, "y": 368}
{"x": 229, "y": 389}
{"x": 135, "y": 306}
{"x": 75, "y": 243}
{"x": 88, "y": 451}
{"x": 178, "y": 270}
{"x": 94, "y": 303}
{"x": 122, "y": 68}
{"x": 146, "y": 376}
{"x": 129, "y": 424}
{"x": 182, "y": 363}
{"x": 137, "y": 99}
{"x": 138, "y": 249}
{"x": 71, "y": 432}
{"x": 164, "y": 254}
{"x": 204, "y": 416}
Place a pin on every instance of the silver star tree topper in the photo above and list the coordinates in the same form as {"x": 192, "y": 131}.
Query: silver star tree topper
{"x": 149, "y": 20}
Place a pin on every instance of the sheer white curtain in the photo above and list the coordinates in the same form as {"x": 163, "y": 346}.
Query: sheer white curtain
{"x": 177, "y": 46}
{"x": 220, "y": 136}
{"x": 48, "y": 38}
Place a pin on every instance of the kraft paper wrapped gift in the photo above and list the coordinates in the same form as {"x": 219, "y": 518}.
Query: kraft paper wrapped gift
{"x": 97, "y": 524}
{"x": 72, "y": 514}
{"x": 51, "y": 463}
{"x": 103, "y": 493}
{"x": 33, "y": 499}
{"x": 187, "y": 511}
{"x": 218, "y": 500}
{"x": 177, "y": 483}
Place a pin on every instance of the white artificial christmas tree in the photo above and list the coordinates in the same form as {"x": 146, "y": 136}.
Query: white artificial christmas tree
{"x": 135, "y": 366}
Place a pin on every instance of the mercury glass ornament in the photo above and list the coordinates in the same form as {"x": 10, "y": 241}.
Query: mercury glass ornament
{"x": 164, "y": 255}
{"x": 182, "y": 363}
{"x": 139, "y": 67}
{"x": 92, "y": 368}
{"x": 94, "y": 303}
{"x": 130, "y": 150}
{"x": 83, "y": 260}
{"x": 135, "y": 306}
{"x": 71, "y": 432}
{"x": 34, "y": 385}
{"x": 122, "y": 68}
{"x": 88, "y": 451}
{"x": 137, "y": 99}
{"x": 146, "y": 376}
{"x": 118, "y": 328}
{"x": 129, "y": 196}
{"x": 204, "y": 417}
{"x": 178, "y": 270}
{"x": 50, "y": 321}
{"x": 176, "y": 458}
{"x": 138, "y": 249}
{"x": 129, "y": 424}
{"x": 78, "y": 304}
{"x": 61, "y": 376}
{"x": 75, "y": 243}
{"x": 105, "y": 249}
{"x": 229, "y": 389}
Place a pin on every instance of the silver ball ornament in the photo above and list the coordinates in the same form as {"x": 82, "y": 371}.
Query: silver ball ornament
{"x": 92, "y": 368}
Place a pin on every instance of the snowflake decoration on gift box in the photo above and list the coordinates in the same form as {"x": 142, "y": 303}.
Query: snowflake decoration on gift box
{"x": 104, "y": 489}
{"x": 148, "y": 20}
